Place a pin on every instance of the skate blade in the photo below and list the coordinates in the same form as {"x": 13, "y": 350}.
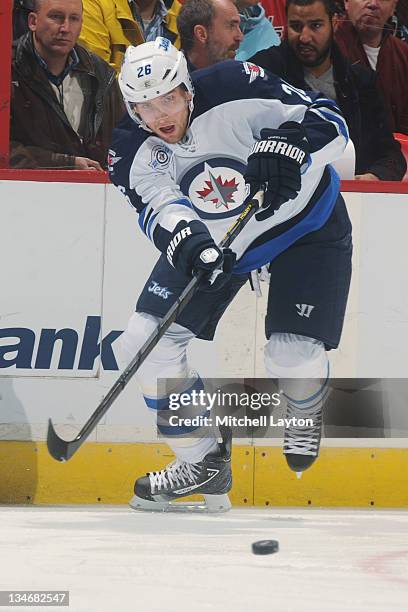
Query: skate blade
{"x": 212, "y": 504}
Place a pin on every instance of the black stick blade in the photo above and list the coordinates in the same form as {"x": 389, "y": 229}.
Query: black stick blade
{"x": 60, "y": 449}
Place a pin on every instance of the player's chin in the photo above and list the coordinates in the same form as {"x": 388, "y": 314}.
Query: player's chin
{"x": 166, "y": 133}
{"x": 169, "y": 134}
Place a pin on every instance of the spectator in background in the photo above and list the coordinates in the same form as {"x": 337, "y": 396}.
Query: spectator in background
{"x": 257, "y": 29}
{"x": 209, "y": 31}
{"x": 110, "y": 26}
{"x": 310, "y": 59}
{"x": 365, "y": 37}
{"x": 65, "y": 101}
{"x": 157, "y": 18}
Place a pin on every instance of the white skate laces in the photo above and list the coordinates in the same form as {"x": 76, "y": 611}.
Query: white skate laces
{"x": 174, "y": 475}
{"x": 210, "y": 477}
{"x": 303, "y": 439}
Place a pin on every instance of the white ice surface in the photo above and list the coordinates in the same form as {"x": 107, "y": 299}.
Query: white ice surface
{"x": 115, "y": 559}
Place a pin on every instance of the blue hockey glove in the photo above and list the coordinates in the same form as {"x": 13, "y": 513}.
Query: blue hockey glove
{"x": 192, "y": 250}
{"x": 277, "y": 161}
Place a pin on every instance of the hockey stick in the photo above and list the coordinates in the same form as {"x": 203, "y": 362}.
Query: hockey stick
{"x": 62, "y": 450}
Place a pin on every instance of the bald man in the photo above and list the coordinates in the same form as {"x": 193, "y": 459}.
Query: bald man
{"x": 65, "y": 100}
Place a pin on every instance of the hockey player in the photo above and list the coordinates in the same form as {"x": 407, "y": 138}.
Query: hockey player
{"x": 198, "y": 145}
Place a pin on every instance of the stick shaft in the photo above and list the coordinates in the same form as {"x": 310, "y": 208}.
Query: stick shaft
{"x": 62, "y": 449}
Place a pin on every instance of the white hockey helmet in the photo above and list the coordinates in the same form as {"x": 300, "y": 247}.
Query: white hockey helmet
{"x": 151, "y": 70}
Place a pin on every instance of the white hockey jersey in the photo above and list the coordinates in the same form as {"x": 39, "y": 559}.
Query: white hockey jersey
{"x": 201, "y": 176}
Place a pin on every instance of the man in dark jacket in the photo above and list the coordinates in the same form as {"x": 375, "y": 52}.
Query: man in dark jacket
{"x": 365, "y": 37}
{"x": 310, "y": 59}
{"x": 65, "y": 100}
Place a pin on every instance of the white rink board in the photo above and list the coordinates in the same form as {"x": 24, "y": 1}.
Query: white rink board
{"x": 73, "y": 253}
{"x": 51, "y": 249}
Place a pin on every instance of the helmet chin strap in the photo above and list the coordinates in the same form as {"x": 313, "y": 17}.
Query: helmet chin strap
{"x": 143, "y": 126}
{"x": 190, "y": 105}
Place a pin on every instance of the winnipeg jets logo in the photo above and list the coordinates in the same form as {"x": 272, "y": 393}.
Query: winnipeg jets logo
{"x": 304, "y": 310}
{"x": 253, "y": 71}
{"x": 218, "y": 191}
{"x": 215, "y": 187}
{"x": 112, "y": 159}
{"x": 162, "y": 43}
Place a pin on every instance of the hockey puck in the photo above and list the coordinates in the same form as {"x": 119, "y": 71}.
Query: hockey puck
{"x": 265, "y": 547}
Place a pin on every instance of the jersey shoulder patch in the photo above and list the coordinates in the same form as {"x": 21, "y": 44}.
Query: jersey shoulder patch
{"x": 160, "y": 156}
{"x": 253, "y": 71}
{"x": 228, "y": 81}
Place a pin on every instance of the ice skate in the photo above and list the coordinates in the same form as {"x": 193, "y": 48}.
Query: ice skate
{"x": 301, "y": 443}
{"x": 211, "y": 477}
